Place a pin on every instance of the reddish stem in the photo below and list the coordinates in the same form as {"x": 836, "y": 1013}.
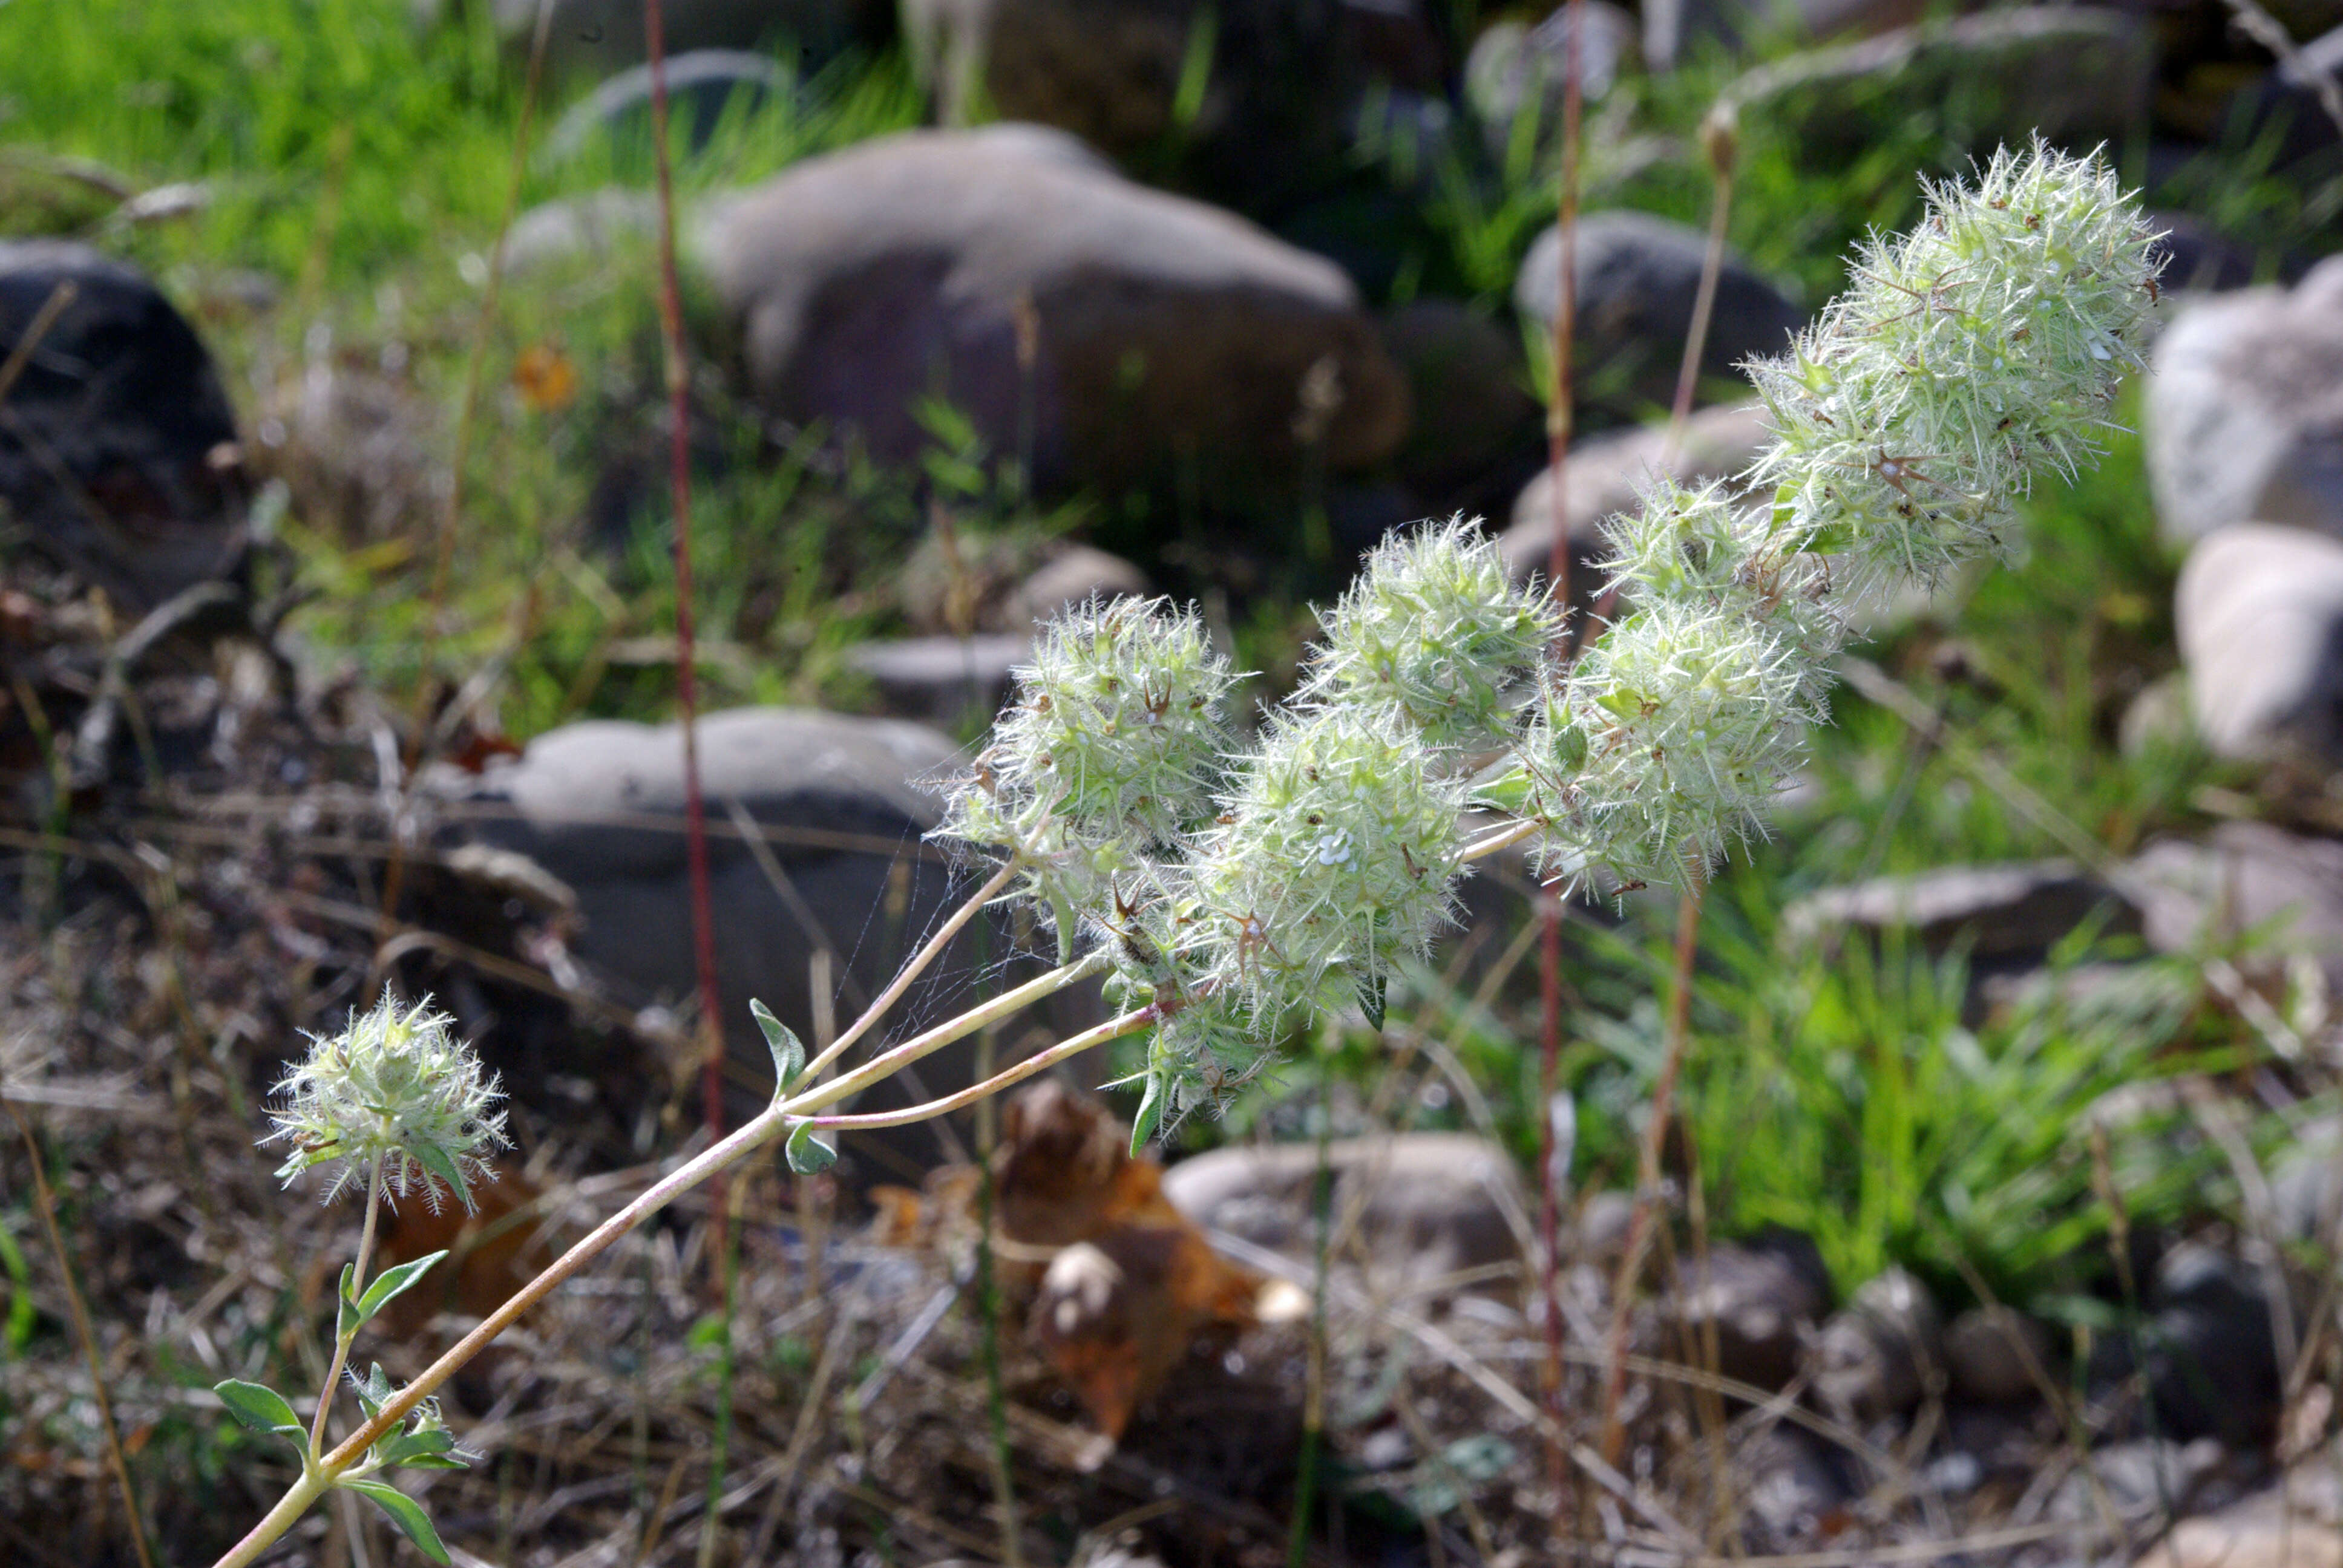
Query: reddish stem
{"x": 687, "y": 687}
{"x": 1559, "y": 423}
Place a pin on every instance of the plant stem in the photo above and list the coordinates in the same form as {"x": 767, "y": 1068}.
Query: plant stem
{"x": 341, "y": 1339}
{"x": 766, "y": 1125}
{"x": 1647, "y": 1167}
{"x": 45, "y": 1200}
{"x": 1313, "y": 1405}
{"x": 1040, "y": 1061}
{"x": 910, "y": 971}
{"x": 887, "y": 1063}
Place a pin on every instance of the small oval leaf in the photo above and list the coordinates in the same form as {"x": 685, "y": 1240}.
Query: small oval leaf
{"x": 405, "y": 1512}
{"x": 388, "y": 1285}
{"x": 259, "y": 1407}
{"x": 788, "y": 1052}
{"x": 812, "y": 1149}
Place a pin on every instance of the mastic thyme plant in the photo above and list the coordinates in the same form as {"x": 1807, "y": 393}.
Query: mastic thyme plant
{"x": 1227, "y": 889}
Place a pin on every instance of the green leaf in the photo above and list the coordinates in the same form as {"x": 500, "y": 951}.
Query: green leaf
{"x": 390, "y": 1284}
{"x": 374, "y": 1390}
{"x": 812, "y": 1149}
{"x": 1370, "y": 1000}
{"x": 419, "y": 1449}
{"x": 789, "y": 1053}
{"x": 260, "y": 1408}
{"x": 345, "y": 1306}
{"x": 405, "y": 1512}
{"x": 1070, "y": 924}
{"x": 1151, "y": 1111}
{"x": 438, "y": 1161}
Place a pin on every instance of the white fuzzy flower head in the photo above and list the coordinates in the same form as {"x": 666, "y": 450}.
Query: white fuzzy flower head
{"x": 1667, "y": 740}
{"x": 1436, "y": 626}
{"x": 1972, "y": 356}
{"x": 395, "y": 1087}
{"x": 1119, "y": 721}
{"x": 1335, "y": 850}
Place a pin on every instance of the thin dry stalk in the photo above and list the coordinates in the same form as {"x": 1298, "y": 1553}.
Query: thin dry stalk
{"x": 1559, "y": 424}
{"x": 62, "y": 296}
{"x": 115, "y": 1460}
{"x": 1647, "y": 1169}
{"x": 687, "y": 678}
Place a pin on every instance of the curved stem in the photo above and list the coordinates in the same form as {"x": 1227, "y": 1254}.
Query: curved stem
{"x": 1040, "y": 1061}
{"x": 279, "y": 1519}
{"x": 326, "y": 1390}
{"x": 887, "y": 1063}
{"x": 1497, "y": 838}
{"x": 910, "y": 970}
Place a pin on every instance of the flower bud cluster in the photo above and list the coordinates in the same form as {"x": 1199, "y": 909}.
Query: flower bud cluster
{"x": 1973, "y": 355}
{"x": 395, "y": 1089}
{"x": 1335, "y": 848}
{"x": 1664, "y": 742}
{"x": 1436, "y": 626}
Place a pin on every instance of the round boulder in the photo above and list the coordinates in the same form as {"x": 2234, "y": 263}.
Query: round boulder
{"x": 2245, "y": 410}
{"x": 2259, "y": 616}
{"x": 118, "y": 451}
{"x": 1638, "y": 276}
{"x": 1110, "y": 331}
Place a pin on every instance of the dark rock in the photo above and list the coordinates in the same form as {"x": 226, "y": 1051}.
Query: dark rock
{"x": 1637, "y": 277}
{"x": 1270, "y": 124}
{"x": 1790, "y": 1484}
{"x": 1998, "y": 1355}
{"x": 592, "y": 39}
{"x": 600, "y": 807}
{"x": 1516, "y": 67}
{"x": 2244, "y": 416}
{"x": 1605, "y": 475}
{"x": 118, "y": 451}
{"x": 1882, "y": 1354}
{"x": 1430, "y": 1205}
{"x": 2247, "y": 877}
{"x": 2258, "y": 613}
{"x": 1157, "y": 331}
{"x": 2076, "y": 76}
{"x": 2196, "y": 257}
{"x": 1758, "y": 1301}
{"x": 2001, "y": 913}
{"x": 1468, "y": 388}
{"x": 2207, "y": 1348}
{"x": 702, "y": 86}
{"x": 946, "y": 682}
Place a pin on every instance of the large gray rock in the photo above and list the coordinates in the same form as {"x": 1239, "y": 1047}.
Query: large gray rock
{"x": 2258, "y": 613}
{"x": 1160, "y": 330}
{"x": 2244, "y": 416}
{"x": 600, "y": 806}
{"x": 1638, "y": 276}
{"x": 946, "y": 682}
{"x": 1607, "y": 473}
{"x": 1430, "y": 1205}
{"x": 2249, "y": 877}
{"x": 591, "y": 39}
{"x": 2076, "y": 76}
{"x": 118, "y": 451}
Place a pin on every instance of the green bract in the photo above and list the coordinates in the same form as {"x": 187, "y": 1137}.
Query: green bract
{"x": 394, "y": 1086}
{"x": 1435, "y": 627}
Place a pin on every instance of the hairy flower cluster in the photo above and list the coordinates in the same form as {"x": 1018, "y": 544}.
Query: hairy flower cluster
{"x": 1663, "y": 743}
{"x": 1334, "y": 848}
{"x": 1436, "y": 626}
{"x": 1106, "y": 757}
{"x": 395, "y": 1089}
{"x": 1973, "y": 355}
